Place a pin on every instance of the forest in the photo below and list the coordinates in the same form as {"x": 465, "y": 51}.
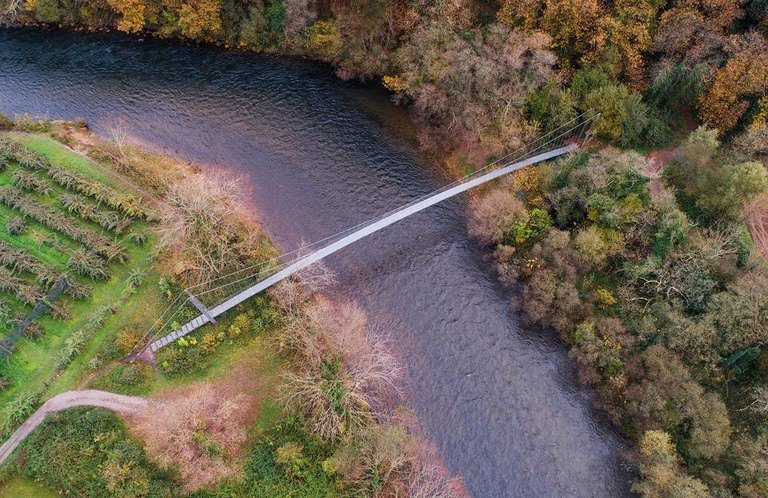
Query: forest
{"x": 645, "y": 252}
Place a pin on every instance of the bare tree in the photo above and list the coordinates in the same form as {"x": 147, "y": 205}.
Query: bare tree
{"x": 345, "y": 372}
{"x": 429, "y": 480}
{"x": 200, "y": 432}
{"x": 13, "y": 10}
{"x": 366, "y": 352}
{"x": 759, "y": 404}
{"x": 292, "y": 292}
{"x": 756, "y": 214}
{"x": 200, "y": 224}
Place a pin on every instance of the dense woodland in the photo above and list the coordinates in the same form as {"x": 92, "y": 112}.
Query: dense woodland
{"x": 650, "y": 268}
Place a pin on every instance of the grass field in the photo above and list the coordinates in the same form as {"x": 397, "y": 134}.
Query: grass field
{"x": 32, "y": 366}
{"x": 21, "y": 487}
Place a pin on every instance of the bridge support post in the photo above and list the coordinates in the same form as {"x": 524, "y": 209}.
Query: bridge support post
{"x": 200, "y": 306}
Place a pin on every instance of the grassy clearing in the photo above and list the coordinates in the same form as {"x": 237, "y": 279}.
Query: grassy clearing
{"x": 21, "y": 487}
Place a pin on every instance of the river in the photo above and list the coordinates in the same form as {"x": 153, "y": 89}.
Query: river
{"x": 500, "y": 403}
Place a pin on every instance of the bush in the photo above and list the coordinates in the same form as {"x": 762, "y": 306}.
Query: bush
{"x": 5, "y": 122}
{"x": 20, "y": 408}
{"x": 47, "y": 11}
{"x": 253, "y": 29}
{"x": 179, "y": 360}
{"x": 551, "y": 107}
{"x": 16, "y": 225}
{"x": 586, "y": 80}
{"x": 88, "y": 452}
{"x": 72, "y": 346}
{"x": 127, "y": 339}
{"x": 611, "y": 102}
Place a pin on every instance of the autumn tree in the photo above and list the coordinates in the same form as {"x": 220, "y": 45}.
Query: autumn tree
{"x": 660, "y": 471}
{"x": 132, "y": 14}
{"x": 574, "y": 26}
{"x": 198, "y": 19}
{"x": 694, "y": 31}
{"x": 744, "y": 75}
{"x": 666, "y": 396}
{"x": 476, "y": 87}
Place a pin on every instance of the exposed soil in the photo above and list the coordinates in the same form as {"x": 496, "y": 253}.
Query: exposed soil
{"x": 658, "y": 161}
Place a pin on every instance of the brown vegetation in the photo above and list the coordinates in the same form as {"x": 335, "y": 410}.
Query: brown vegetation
{"x": 201, "y": 428}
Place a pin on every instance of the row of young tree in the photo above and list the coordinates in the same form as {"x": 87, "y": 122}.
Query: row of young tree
{"x": 487, "y": 76}
{"x": 657, "y": 287}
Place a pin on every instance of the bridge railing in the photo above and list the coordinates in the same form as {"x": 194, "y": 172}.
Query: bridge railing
{"x": 221, "y": 288}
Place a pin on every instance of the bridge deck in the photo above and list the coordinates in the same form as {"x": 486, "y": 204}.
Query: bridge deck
{"x": 375, "y": 226}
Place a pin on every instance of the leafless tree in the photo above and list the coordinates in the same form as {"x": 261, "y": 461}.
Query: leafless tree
{"x": 200, "y": 433}
{"x": 756, "y": 214}
{"x": 366, "y": 352}
{"x": 200, "y": 224}
{"x": 337, "y": 394}
{"x": 759, "y": 404}
{"x": 331, "y": 405}
{"x": 13, "y": 10}
{"x": 292, "y": 292}
{"x": 429, "y": 480}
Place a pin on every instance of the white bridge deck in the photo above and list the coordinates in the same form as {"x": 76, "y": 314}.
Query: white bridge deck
{"x": 368, "y": 229}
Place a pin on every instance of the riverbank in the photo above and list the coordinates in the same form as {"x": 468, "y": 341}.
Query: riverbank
{"x": 315, "y": 163}
{"x": 276, "y": 375}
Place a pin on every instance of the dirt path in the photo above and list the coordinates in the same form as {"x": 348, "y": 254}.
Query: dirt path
{"x": 124, "y": 405}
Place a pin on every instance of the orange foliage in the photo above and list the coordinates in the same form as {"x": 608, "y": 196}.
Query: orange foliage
{"x": 132, "y": 14}
{"x": 573, "y": 24}
{"x": 745, "y": 73}
{"x": 200, "y": 18}
{"x": 628, "y": 30}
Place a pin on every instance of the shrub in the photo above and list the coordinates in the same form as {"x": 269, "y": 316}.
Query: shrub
{"x": 88, "y": 452}
{"x": 47, "y": 11}
{"x": 253, "y": 29}
{"x": 72, "y": 346}
{"x": 127, "y": 339}
{"x": 177, "y": 360}
{"x": 611, "y": 102}
{"x": 588, "y": 79}
{"x": 55, "y": 220}
{"x": 5, "y": 122}
{"x": 20, "y": 408}
{"x": 16, "y": 225}
{"x": 30, "y": 181}
{"x": 88, "y": 264}
{"x": 551, "y": 106}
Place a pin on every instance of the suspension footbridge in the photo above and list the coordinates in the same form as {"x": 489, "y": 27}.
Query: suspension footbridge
{"x": 557, "y": 143}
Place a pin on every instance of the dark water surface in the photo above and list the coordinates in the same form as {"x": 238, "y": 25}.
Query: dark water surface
{"x": 500, "y": 403}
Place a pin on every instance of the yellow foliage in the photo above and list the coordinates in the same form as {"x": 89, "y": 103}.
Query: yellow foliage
{"x": 761, "y": 118}
{"x": 126, "y": 339}
{"x": 525, "y": 13}
{"x": 199, "y": 18}
{"x": 132, "y": 14}
{"x": 528, "y": 181}
{"x": 325, "y": 38}
{"x": 209, "y": 341}
{"x": 745, "y": 73}
{"x": 394, "y": 83}
{"x": 573, "y": 24}
{"x": 604, "y": 297}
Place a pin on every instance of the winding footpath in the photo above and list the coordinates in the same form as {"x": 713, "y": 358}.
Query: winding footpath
{"x": 124, "y": 405}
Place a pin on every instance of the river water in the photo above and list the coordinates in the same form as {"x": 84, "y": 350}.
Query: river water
{"x": 499, "y": 402}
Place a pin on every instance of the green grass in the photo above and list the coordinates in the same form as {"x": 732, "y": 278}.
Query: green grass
{"x": 33, "y": 363}
{"x": 22, "y": 487}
